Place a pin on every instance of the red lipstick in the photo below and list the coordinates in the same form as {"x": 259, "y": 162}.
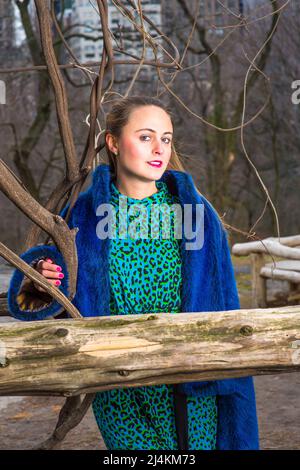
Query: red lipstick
{"x": 155, "y": 163}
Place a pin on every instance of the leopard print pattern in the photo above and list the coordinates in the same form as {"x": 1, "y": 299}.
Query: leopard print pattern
{"x": 145, "y": 277}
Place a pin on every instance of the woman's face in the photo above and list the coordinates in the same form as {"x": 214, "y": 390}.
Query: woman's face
{"x": 145, "y": 143}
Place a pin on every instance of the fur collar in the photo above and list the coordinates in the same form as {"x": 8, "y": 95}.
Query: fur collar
{"x": 179, "y": 183}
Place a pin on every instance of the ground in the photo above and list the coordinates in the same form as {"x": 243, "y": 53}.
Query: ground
{"x": 25, "y": 422}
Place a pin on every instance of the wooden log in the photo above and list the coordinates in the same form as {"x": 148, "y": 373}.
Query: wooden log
{"x": 259, "y": 288}
{"x": 289, "y": 265}
{"x": 267, "y": 246}
{"x": 75, "y": 356}
{"x": 280, "y": 274}
{"x": 293, "y": 240}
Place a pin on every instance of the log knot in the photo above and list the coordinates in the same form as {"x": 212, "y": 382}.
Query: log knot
{"x": 246, "y": 330}
{"x": 152, "y": 317}
{"x": 123, "y": 373}
{"x": 4, "y": 363}
{"x": 61, "y": 332}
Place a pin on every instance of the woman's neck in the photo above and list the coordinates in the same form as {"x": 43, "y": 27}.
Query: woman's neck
{"x": 135, "y": 189}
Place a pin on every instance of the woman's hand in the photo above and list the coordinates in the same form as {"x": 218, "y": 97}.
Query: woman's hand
{"x": 52, "y": 272}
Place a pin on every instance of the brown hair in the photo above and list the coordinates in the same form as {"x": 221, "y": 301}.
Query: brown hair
{"x": 119, "y": 116}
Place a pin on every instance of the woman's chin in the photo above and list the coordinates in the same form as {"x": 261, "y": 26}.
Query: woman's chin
{"x": 156, "y": 172}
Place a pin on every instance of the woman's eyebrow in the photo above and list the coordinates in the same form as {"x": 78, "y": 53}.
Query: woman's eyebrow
{"x": 151, "y": 130}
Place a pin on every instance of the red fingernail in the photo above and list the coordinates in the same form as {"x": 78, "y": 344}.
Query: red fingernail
{"x": 58, "y": 268}
{"x": 61, "y": 276}
{"x": 57, "y": 283}
{"x": 49, "y": 260}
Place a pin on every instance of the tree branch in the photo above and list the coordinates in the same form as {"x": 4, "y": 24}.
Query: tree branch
{"x": 54, "y": 225}
{"x": 56, "y": 78}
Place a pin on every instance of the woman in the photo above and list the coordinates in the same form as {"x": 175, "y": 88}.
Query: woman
{"x": 120, "y": 275}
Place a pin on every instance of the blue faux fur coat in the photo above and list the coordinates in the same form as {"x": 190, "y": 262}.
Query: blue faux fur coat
{"x": 208, "y": 285}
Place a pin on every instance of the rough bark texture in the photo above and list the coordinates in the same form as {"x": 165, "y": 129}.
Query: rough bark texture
{"x": 70, "y": 357}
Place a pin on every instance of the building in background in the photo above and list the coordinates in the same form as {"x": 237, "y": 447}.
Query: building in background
{"x": 67, "y": 10}
{"x": 88, "y": 45}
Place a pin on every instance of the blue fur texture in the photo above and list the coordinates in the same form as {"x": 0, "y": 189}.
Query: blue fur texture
{"x": 208, "y": 285}
{"x": 32, "y": 255}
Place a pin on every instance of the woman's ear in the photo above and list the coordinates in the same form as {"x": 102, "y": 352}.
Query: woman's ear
{"x": 110, "y": 141}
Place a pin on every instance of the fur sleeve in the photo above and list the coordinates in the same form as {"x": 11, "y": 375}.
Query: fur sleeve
{"x": 27, "y": 303}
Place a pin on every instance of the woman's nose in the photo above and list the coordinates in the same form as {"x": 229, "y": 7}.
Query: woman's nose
{"x": 158, "y": 146}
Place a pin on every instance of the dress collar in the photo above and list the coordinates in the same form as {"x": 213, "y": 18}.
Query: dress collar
{"x": 156, "y": 198}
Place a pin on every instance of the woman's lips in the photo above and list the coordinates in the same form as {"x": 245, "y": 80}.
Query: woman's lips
{"x": 155, "y": 163}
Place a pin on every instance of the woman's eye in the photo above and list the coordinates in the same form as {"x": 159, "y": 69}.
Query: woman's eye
{"x": 142, "y": 136}
{"x": 165, "y": 139}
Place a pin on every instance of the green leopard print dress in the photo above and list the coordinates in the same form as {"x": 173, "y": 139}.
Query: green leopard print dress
{"x": 145, "y": 277}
